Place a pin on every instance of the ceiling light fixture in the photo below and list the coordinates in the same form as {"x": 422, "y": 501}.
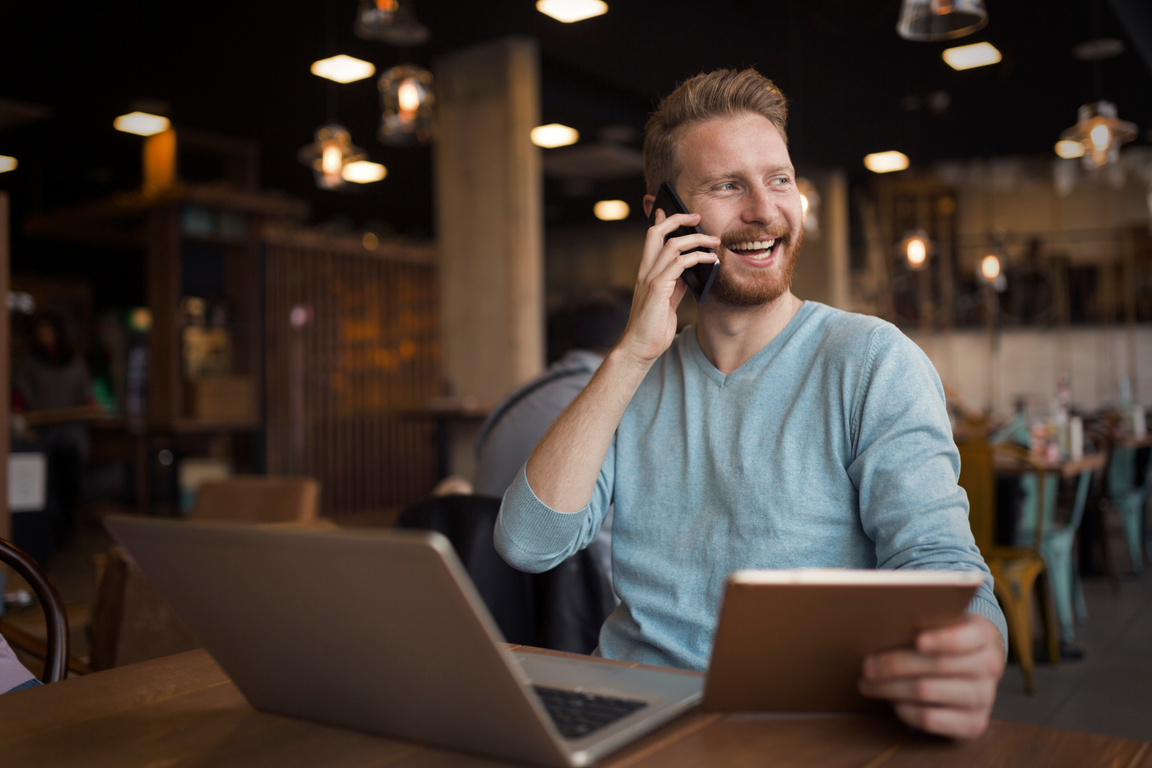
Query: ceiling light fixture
{"x": 406, "y": 98}
{"x": 363, "y": 172}
{"x": 569, "y": 11}
{"x": 1069, "y": 149}
{"x": 886, "y": 162}
{"x": 141, "y": 123}
{"x": 971, "y": 56}
{"x": 329, "y": 154}
{"x": 389, "y": 21}
{"x": 7, "y": 163}
{"x": 554, "y": 135}
{"x": 1100, "y": 132}
{"x": 611, "y": 210}
{"x": 343, "y": 69}
{"x": 929, "y": 20}
{"x": 1099, "y": 129}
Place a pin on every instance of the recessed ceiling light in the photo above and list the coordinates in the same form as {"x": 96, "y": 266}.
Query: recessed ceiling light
{"x": 363, "y": 172}
{"x": 568, "y": 11}
{"x": 554, "y": 135}
{"x": 1069, "y": 149}
{"x": 970, "y": 56}
{"x": 611, "y": 210}
{"x": 343, "y": 69}
{"x": 7, "y": 163}
{"x": 141, "y": 123}
{"x": 886, "y": 162}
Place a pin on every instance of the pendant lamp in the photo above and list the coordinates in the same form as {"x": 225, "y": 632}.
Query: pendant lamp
{"x": 406, "y": 99}
{"x": 390, "y": 21}
{"x": 1100, "y": 132}
{"x": 327, "y": 156}
{"x": 928, "y": 20}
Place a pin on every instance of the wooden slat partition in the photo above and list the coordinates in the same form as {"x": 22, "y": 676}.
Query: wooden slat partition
{"x": 352, "y": 355}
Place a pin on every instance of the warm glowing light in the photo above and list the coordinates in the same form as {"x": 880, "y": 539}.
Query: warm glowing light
{"x": 7, "y": 163}
{"x": 971, "y": 56}
{"x": 554, "y": 135}
{"x": 331, "y": 159}
{"x": 990, "y": 267}
{"x": 886, "y": 162}
{"x": 370, "y": 241}
{"x": 141, "y": 123}
{"x": 611, "y": 210}
{"x": 803, "y": 204}
{"x": 363, "y": 172}
{"x": 916, "y": 251}
{"x": 568, "y": 11}
{"x": 1069, "y": 149}
{"x": 343, "y": 69}
{"x": 408, "y": 99}
{"x": 1101, "y": 137}
{"x": 140, "y": 319}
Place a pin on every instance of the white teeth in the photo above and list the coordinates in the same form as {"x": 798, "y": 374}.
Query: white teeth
{"x": 754, "y": 245}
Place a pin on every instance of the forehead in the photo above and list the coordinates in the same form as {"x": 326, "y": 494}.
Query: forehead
{"x": 740, "y": 144}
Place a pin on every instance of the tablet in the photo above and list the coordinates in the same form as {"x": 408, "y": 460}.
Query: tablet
{"x": 795, "y": 640}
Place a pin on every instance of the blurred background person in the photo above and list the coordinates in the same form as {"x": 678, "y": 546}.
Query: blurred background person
{"x": 51, "y": 381}
{"x": 580, "y": 334}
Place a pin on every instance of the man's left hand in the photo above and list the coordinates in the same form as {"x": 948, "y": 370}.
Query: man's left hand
{"x": 947, "y": 683}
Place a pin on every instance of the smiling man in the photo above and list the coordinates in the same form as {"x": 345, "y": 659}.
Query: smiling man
{"x": 776, "y": 433}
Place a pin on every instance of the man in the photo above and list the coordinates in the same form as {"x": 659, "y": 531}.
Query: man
{"x": 583, "y": 331}
{"x": 776, "y": 433}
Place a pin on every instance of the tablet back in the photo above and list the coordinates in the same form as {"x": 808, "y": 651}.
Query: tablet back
{"x": 794, "y": 640}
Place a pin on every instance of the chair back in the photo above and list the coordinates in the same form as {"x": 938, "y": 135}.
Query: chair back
{"x": 258, "y": 499}
{"x": 978, "y": 479}
{"x": 55, "y": 616}
{"x": 561, "y": 609}
{"x": 1020, "y": 459}
{"x": 131, "y": 622}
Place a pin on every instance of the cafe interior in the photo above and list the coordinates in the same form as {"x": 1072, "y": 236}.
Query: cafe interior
{"x": 297, "y": 252}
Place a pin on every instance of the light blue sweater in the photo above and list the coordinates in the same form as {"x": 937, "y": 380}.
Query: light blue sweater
{"x": 830, "y": 447}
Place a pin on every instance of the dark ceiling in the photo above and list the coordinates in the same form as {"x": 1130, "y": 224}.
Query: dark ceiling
{"x": 240, "y": 68}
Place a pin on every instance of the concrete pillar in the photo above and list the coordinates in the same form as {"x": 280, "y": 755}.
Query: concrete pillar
{"x": 489, "y": 201}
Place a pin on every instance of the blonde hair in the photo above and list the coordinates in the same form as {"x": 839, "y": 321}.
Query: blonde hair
{"x": 707, "y": 96}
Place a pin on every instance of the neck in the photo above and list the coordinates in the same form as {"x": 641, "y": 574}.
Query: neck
{"x": 729, "y": 336}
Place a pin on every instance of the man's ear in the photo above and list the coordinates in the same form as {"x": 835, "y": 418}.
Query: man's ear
{"x": 649, "y": 201}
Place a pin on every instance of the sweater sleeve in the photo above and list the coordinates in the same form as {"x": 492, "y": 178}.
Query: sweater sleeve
{"x": 533, "y": 537}
{"x": 906, "y": 468}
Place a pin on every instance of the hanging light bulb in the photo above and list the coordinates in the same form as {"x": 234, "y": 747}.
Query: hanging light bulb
{"x": 916, "y": 248}
{"x": 327, "y": 156}
{"x": 390, "y": 21}
{"x": 927, "y": 20}
{"x": 1100, "y": 132}
{"x": 407, "y": 98}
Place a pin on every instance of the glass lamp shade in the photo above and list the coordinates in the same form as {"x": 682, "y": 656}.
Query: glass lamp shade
{"x": 406, "y": 98}
{"x": 1101, "y": 133}
{"x": 328, "y": 155}
{"x": 926, "y": 20}
{"x": 390, "y": 21}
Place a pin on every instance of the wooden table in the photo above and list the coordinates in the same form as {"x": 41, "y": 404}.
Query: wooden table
{"x": 183, "y": 710}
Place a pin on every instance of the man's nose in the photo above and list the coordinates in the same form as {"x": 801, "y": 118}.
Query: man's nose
{"x": 759, "y": 207}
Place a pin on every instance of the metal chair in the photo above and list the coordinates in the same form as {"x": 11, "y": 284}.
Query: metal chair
{"x": 54, "y": 649}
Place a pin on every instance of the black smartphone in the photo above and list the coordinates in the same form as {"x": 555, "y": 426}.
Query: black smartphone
{"x": 699, "y": 277}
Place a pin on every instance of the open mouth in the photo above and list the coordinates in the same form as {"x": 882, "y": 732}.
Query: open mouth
{"x": 754, "y": 249}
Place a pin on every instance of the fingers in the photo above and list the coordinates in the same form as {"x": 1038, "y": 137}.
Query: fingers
{"x": 947, "y": 683}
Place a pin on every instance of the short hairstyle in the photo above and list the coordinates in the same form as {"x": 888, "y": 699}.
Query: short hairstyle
{"x": 707, "y": 96}
{"x": 594, "y": 322}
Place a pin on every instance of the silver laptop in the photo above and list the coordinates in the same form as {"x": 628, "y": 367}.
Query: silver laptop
{"x": 381, "y": 630}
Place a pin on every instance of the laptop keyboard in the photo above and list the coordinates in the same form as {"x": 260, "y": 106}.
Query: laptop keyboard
{"x": 578, "y": 714}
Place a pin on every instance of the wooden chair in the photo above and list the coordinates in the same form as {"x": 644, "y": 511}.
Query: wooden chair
{"x": 258, "y": 499}
{"x": 54, "y": 649}
{"x": 1016, "y": 571}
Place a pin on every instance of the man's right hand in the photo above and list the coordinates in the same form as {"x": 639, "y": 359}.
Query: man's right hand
{"x": 659, "y": 289}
